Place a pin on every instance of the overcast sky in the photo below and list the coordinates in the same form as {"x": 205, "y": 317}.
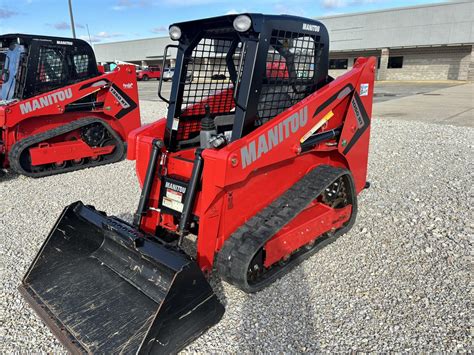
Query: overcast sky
{"x": 116, "y": 20}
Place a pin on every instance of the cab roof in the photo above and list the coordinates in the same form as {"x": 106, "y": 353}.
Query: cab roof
{"x": 259, "y": 23}
{"x": 27, "y": 39}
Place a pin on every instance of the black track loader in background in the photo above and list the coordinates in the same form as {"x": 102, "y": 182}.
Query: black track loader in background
{"x": 95, "y": 274}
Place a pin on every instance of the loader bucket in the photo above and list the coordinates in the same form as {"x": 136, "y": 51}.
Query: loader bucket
{"x": 104, "y": 287}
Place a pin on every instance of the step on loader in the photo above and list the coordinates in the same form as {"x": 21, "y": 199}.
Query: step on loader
{"x": 57, "y": 112}
{"x": 263, "y": 167}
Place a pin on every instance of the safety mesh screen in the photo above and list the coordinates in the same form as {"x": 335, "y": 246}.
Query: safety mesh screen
{"x": 51, "y": 65}
{"x": 291, "y": 72}
{"x": 188, "y": 128}
{"x": 56, "y": 66}
{"x": 81, "y": 65}
{"x": 208, "y": 78}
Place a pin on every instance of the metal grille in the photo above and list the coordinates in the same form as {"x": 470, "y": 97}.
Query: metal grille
{"x": 291, "y": 72}
{"x": 2, "y": 59}
{"x": 51, "y": 65}
{"x": 188, "y": 129}
{"x": 208, "y": 75}
{"x": 81, "y": 64}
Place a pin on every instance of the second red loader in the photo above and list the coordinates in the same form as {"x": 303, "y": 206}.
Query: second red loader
{"x": 58, "y": 113}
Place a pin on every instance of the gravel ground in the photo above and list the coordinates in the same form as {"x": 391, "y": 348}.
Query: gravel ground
{"x": 399, "y": 281}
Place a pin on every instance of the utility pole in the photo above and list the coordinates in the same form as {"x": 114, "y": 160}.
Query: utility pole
{"x": 89, "y": 34}
{"x": 72, "y": 20}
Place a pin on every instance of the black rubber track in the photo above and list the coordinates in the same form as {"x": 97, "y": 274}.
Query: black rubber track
{"x": 238, "y": 251}
{"x": 19, "y": 147}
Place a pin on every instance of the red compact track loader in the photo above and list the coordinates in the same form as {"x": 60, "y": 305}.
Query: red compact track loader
{"x": 264, "y": 169}
{"x": 57, "y": 112}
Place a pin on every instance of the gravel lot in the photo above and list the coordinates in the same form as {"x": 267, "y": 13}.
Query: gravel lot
{"x": 399, "y": 281}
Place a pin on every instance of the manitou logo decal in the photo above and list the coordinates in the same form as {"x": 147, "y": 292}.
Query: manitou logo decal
{"x": 274, "y": 136}
{"x": 66, "y": 43}
{"x": 175, "y": 187}
{"x": 312, "y": 28}
{"x": 45, "y": 101}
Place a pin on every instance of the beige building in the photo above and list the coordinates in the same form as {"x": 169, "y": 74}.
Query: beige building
{"x": 428, "y": 42}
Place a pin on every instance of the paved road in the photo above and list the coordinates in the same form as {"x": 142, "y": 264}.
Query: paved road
{"x": 148, "y": 90}
{"x": 384, "y": 91}
{"x": 453, "y": 105}
{"x": 432, "y": 102}
{"x": 392, "y": 90}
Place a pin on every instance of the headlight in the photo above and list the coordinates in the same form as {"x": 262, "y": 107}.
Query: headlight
{"x": 175, "y": 33}
{"x": 242, "y": 23}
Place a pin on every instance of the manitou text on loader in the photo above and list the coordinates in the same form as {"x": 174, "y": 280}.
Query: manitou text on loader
{"x": 264, "y": 168}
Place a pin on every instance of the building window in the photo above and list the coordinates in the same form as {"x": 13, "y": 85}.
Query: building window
{"x": 338, "y": 63}
{"x": 395, "y": 62}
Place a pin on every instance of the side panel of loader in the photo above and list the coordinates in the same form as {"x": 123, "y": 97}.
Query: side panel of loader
{"x": 237, "y": 187}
